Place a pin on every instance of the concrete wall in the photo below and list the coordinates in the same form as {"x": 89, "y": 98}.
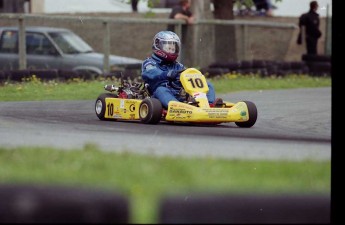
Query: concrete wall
{"x": 135, "y": 40}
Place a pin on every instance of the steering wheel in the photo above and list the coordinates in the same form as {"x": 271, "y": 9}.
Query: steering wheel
{"x": 176, "y": 79}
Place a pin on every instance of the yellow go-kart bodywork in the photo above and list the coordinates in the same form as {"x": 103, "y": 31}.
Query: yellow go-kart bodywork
{"x": 149, "y": 110}
{"x": 183, "y": 112}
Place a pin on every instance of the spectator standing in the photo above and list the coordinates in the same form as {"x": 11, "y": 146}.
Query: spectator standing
{"x": 309, "y": 24}
{"x": 134, "y": 4}
{"x": 181, "y": 11}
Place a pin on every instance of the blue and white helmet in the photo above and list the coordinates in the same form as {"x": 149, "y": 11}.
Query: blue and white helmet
{"x": 166, "y": 45}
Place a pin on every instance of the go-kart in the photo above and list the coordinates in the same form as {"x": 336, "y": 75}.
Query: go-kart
{"x": 133, "y": 101}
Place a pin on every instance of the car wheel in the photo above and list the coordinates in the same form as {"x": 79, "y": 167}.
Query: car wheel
{"x": 253, "y": 115}
{"x": 100, "y": 104}
{"x": 150, "y": 111}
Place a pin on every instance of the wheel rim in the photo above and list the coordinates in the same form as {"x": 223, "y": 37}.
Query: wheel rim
{"x": 99, "y": 106}
{"x": 144, "y": 110}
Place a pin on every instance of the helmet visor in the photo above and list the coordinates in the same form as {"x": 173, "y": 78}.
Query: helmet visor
{"x": 170, "y": 47}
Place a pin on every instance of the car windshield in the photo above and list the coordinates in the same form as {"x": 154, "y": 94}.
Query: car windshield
{"x": 70, "y": 43}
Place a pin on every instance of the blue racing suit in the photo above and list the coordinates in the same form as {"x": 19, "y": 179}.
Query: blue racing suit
{"x": 154, "y": 72}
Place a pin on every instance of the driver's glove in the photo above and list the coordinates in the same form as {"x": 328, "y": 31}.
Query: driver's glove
{"x": 172, "y": 74}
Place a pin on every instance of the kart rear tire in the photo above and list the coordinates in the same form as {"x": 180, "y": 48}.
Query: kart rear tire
{"x": 100, "y": 104}
{"x": 150, "y": 111}
{"x": 253, "y": 115}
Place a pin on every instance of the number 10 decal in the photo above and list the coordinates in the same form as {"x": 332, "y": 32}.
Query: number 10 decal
{"x": 196, "y": 82}
{"x": 110, "y": 107}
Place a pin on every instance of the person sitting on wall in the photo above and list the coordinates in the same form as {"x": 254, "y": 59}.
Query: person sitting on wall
{"x": 181, "y": 11}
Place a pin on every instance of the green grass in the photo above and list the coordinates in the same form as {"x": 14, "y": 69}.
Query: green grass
{"x": 35, "y": 90}
{"x": 146, "y": 179}
{"x": 233, "y": 82}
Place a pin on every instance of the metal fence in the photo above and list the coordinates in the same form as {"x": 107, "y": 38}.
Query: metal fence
{"x": 132, "y": 36}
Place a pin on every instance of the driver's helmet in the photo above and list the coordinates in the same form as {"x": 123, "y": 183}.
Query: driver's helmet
{"x": 166, "y": 45}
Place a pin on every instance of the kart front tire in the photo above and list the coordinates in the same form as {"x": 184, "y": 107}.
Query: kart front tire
{"x": 100, "y": 105}
{"x": 150, "y": 111}
{"x": 253, "y": 115}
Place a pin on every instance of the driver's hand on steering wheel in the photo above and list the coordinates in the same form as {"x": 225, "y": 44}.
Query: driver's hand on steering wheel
{"x": 172, "y": 74}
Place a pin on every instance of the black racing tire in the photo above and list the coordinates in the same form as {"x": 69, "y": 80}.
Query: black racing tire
{"x": 100, "y": 104}
{"x": 150, "y": 111}
{"x": 253, "y": 115}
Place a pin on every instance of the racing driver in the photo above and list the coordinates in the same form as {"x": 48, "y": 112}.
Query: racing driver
{"x": 162, "y": 67}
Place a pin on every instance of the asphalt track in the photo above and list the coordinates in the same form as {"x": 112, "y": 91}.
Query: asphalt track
{"x": 292, "y": 125}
